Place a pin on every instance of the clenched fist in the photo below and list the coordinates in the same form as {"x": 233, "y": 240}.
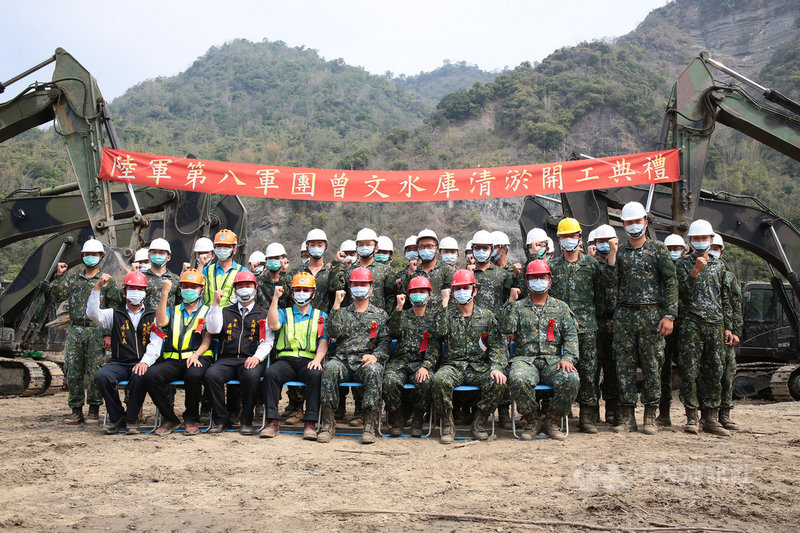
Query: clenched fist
{"x": 218, "y": 296}
{"x": 61, "y": 268}
{"x": 166, "y": 285}
{"x": 699, "y": 265}
{"x": 340, "y": 297}
{"x": 277, "y": 292}
{"x": 401, "y": 301}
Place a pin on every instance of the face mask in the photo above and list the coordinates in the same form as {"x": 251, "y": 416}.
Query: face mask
{"x": 246, "y": 295}
{"x": 540, "y": 253}
{"x": 450, "y": 259}
{"x": 463, "y": 296}
{"x": 259, "y": 270}
{"x": 190, "y": 295}
{"x": 144, "y": 267}
{"x": 481, "y": 256}
{"x": 418, "y": 298}
{"x": 222, "y": 253}
{"x": 349, "y": 259}
{"x": 305, "y": 260}
{"x": 496, "y": 255}
{"x": 635, "y": 230}
{"x": 301, "y": 297}
{"x": 158, "y": 259}
{"x": 273, "y": 265}
{"x": 365, "y": 251}
{"x": 603, "y": 247}
{"x": 359, "y": 293}
{"x": 538, "y": 285}
{"x": 701, "y": 246}
{"x": 382, "y": 258}
{"x": 427, "y": 255}
{"x": 316, "y": 251}
{"x": 91, "y": 261}
{"x": 713, "y": 253}
{"x": 675, "y": 255}
{"x": 135, "y": 296}
{"x": 412, "y": 255}
{"x": 570, "y": 244}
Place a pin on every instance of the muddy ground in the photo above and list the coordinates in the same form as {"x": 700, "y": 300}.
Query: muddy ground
{"x": 57, "y": 477}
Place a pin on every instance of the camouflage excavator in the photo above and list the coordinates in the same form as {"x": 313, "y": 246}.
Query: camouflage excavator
{"x": 768, "y": 356}
{"x": 123, "y": 218}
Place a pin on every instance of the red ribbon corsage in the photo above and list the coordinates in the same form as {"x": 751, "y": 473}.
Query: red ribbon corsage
{"x": 262, "y": 330}
{"x": 200, "y": 323}
{"x": 373, "y": 330}
{"x": 424, "y": 344}
{"x": 321, "y": 327}
{"x": 551, "y": 329}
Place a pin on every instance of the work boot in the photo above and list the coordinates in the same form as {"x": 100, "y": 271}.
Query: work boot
{"x": 725, "y": 419}
{"x": 167, "y": 427}
{"x": 295, "y": 417}
{"x": 370, "y": 427}
{"x": 691, "y": 422}
{"x": 504, "y": 416}
{"x": 649, "y": 420}
{"x": 309, "y": 430}
{"x": 246, "y": 429}
{"x": 192, "y": 428}
{"x": 291, "y": 408}
{"x": 478, "y": 423}
{"x": 272, "y": 429}
{"x": 612, "y": 412}
{"x": 131, "y": 428}
{"x": 596, "y": 413}
{"x": 448, "y": 428}
{"x": 358, "y": 418}
{"x": 711, "y": 423}
{"x": 328, "y": 426}
{"x": 663, "y": 419}
{"x": 115, "y": 427}
{"x": 76, "y": 417}
{"x": 94, "y": 414}
{"x": 586, "y": 422}
{"x": 395, "y": 424}
{"x": 627, "y": 419}
{"x": 533, "y": 426}
{"x": 552, "y": 427}
{"x": 417, "y": 418}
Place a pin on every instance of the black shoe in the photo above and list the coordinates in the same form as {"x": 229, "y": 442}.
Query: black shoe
{"x": 246, "y": 429}
{"x": 218, "y": 428}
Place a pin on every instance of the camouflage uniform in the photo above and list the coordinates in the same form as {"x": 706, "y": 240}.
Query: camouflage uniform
{"x": 153, "y": 291}
{"x": 440, "y": 277}
{"x": 578, "y": 284}
{"x": 325, "y": 293}
{"x": 409, "y": 330}
{"x": 670, "y": 356}
{"x": 734, "y": 324}
{"x": 352, "y": 333}
{"x": 535, "y": 359}
{"x": 83, "y": 352}
{"x": 605, "y": 302}
{"x": 494, "y": 287}
{"x": 266, "y": 288}
{"x": 464, "y": 362}
{"x": 647, "y": 291}
{"x": 383, "y": 285}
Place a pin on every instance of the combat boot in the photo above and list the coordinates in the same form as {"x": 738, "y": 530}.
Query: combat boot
{"x": 328, "y": 426}
{"x": 611, "y": 412}
{"x": 649, "y": 420}
{"x": 552, "y": 427}
{"x": 596, "y": 413}
{"x": 395, "y": 423}
{"x": 533, "y": 427}
{"x": 586, "y": 421}
{"x": 627, "y": 419}
{"x": 691, "y": 421}
{"x": 711, "y": 423}
{"x": 295, "y": 417}
{"x": 417, "y": 417}
{"x": 370, "y": 427}
{"x": 76, "y": 417}
{"x": 94, "y": 414}
{"x": 663, "y": 419}
{"x": 358, "y": 417}
{"x": 725, "y": 419}
{"x": 478, "y": 425}
{"x": 119, "y": 425}
{"x": 504, "y": 416}
{"x": 448, "y": 428}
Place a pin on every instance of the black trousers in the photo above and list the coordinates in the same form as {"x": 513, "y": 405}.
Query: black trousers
{"x": 167, "y": 370}
{"x": 224, "y": 370}
{"x": 285, "y": 369}
{"x": 107, "y": 379}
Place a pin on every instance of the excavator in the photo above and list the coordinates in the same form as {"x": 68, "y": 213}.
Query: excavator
{"x": 124, "y": 218}
{"x": 768, "y": 357}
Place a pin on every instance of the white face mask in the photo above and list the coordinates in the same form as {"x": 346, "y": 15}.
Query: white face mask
{"x": 463, "y": 296}
{"x": 135, "y": 296}
{"x": 316, "y": 251}
{"x": 144, "y": 267}
{"x": 450, "y": 259}
{"x": 245, "y": 294}
{"x": 301, "y": 297}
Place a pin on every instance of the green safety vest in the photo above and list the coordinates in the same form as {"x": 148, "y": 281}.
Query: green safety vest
{"x": 223, "y": 282}
{"x": 181, "y": 337}
{"x": 292, "y": 335}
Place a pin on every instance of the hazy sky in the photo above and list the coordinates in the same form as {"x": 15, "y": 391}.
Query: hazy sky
{"x": 124, "y": 43}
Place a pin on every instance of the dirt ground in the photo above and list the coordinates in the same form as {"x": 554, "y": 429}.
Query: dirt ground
{"x": 58, "y": 477}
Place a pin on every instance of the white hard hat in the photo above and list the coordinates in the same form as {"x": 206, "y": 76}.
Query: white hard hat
{"x": 550, "y": 246}
{"x": 348, "y": 246}
{"x": 500, "y": 239}
{"x": 160, "y": 244}
{"x": 591, "y": 237}
{"x": 448, "y": 243}
{"x": 142, "y": 254}
{"x": 700, "y": 228}
{"x": 203, "y": 244}
{"x": 429, "y": 233}
{"x": 93, "y": 245}
{"x": 316, "y": 235}
{"x": 385, "y": 243}
{"x": 366, "y": 234}
{"x": 633, "y": 211}
{"x": 303, "y": 247}
{"x": 257, "y": 257}
{"x": 604, "y": 232}
{"x": 717, "y": 240}
{"x": 275, "y": 249}
{"x": 536, "y": 235}
{"x": 411, "y": 241}
{"x": 482, "y": 237}
{"x": 674, "y": 240}
{"x": 468, "y": 246}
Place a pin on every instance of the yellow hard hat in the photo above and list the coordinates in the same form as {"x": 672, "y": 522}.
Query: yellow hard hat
{"x": 568, "y": 226}
{"x": 304, "y": 279}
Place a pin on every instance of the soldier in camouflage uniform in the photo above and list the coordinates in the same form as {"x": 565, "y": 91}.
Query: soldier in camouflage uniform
{"x": 83, "y": 353}
{"x": 545, "y": 351}
{"x": 159, "y": 252}
{"x": 494, "y": 283}
{"x": 384, "y": 288}
{"x": 362, "y": 347}
{"x": 578, "y": 279}
{"x": 317, "y": 243}
{"x": 273, "y": 277}
{"x": 414, "y": 358}
{"x": 605, "y": 302}
{"x": 475, "y": 354}
{"x": 648, "y": 303}
{"x": 437, "y": 272}
{"x": 734, "y": 324}
{"x": 676, "y": 247}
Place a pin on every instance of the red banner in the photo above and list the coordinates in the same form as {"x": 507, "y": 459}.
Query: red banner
{"x": 267, "y": 181}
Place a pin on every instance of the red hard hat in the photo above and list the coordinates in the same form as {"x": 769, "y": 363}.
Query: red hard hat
{"x": 135, "y": 279}
{"x": 463, "y": 277}
{"x": 244, "y": 276}
{"x": 420, "y": 282}
{"x": 537, "y": 267}
{"x": 361, "y": 274}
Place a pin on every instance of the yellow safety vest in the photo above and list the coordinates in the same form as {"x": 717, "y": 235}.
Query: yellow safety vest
{"x": 223, "y": 282}
{"x": 292, "y": 335}
{"x": 181, "y": 337}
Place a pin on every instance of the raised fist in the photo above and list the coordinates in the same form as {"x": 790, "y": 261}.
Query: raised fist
{"x": 401, "y": 301}
{"x": 218, "y": 296}
{"x": 340, "y": 256}
{"x": 61, "y": 268}
{"x": 166, "y": 285}
{"x": 104, "y": 278}
{"x": 278, "y": 292}
{"x": 700, "y": 264}
{"x": 340, "y": 296}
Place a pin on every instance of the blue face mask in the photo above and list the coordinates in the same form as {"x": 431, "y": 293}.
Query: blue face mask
{"x": 538, "y": 285}
{"x": 463, "y": 296}
{"x": 570, "y": 244}
{"x": 701, "y": 246}
{"x": 158, "y": 259}
{"x": 675, "y": 255}
{"x": 427, "y": 255}
{"x": 365, "y": 251}
{"x": 450, "y": 259}
{"x": 316, "y": 251}
{"x": 603, "y": 247}
{"x": 221, "y": 253}
{"x": 713, "y": 253}
{"x": 273, "y": 265}
{"x": 359, "y": 293}
{"x": 418, "y": 298}
{"x": 144, "y": 267}
{"x": 496, "y": 255}
{"x": 190, "y": 295}
{"x": 382, "y": 258}
{"x": 91, "y": 261}
{"x": 305, "y": 260}
{"x": 635, "y": 230}
{"x": 258, "y": 270}
{"x": 481, "y": 256}
{"x": 412, "y": 255}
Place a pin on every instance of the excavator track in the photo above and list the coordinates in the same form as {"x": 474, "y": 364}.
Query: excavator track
{"x": 781, "y": 383}
{"x": 21, "y": 377}
{"x": 54, "y": 377}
